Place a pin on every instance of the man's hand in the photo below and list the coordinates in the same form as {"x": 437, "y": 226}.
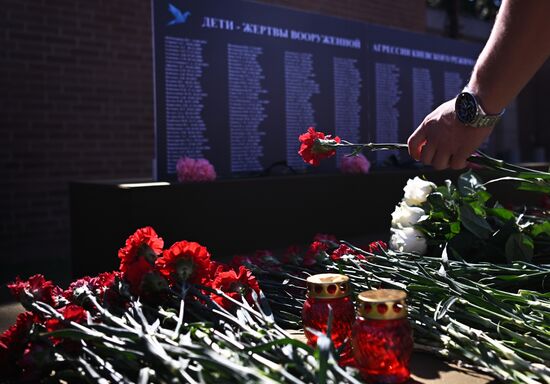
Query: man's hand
{"x": 443, "y": 141}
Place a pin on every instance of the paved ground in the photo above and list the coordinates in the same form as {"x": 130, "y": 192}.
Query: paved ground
{"x": 8, "y": 314}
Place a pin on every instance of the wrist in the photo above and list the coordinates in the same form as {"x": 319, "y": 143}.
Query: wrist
{"x": 469, "y": 111}
{"x": 488, "y": 102}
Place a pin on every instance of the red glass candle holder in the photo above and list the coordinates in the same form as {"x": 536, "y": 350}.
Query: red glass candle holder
{"x": 382, "y": 336}
{"x": 324, "y": 290}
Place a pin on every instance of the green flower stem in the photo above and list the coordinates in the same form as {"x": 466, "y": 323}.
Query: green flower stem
{"x": 357, "y": 148}
{"x": 240, "y": 344}
{"x": 463, "y": 314}
{"x": 479, "y": 158}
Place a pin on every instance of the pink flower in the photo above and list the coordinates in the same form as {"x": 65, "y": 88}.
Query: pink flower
{"x": 355, "y": 164}
{"x": 189, "y": 169}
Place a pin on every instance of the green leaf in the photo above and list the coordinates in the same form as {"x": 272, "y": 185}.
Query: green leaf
{"x": 519, "y": 247}
{"x": 534, "y": 175}
{"x": 437, "y": 201}
{"x": 534, "y": 187}
{"x": 542, "y": 228}
{"x": 469, "y": 183}
{"x": 440, "y": 208}
{"x": 454, "y": 227}
{"x": 446, "y": 190}
{"x": 501, "y": 213}
{"x": 474, "y": 223}
{"x": 478, "y": 208}
{"x": 483, "y": 196}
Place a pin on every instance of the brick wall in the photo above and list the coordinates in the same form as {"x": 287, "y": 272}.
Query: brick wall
{"x": 77, "y": 103}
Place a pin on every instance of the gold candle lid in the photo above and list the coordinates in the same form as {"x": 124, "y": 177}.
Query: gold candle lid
{"x": 328, "y": 286}
{"x": 382, "y": 304}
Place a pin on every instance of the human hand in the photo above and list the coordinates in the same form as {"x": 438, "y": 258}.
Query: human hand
{"x": 443, "y": 141}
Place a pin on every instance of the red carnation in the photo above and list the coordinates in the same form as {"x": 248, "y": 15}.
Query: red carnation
{"x": 138, "y": 257}
{"x": 235, "y": 285}
{"x": 14, "y": 341}
{"x": 313, "y": 147}
{"x": 344, "y": 250}
{"x": 37, "y": 286}
{"x": 144, "y": 243}
{"x": 106, "y": 285}
{"x": 18, "y": 333}
{"x": 185, "y": 261}
{"x": 71, "y": 312}
{"x": 83, "y": 282}
{"x": 315, "y": 252}
{"x": 216, "y": 268}
{"x": 378, "y": 246}
{"x": 98, "y": 285}
{"x": 105, "y": 280}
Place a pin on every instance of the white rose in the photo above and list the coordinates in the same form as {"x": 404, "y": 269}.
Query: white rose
{"x": 408, "y": 239}
{"x": 417, "y": 191}
{"x": 406, "y": 216}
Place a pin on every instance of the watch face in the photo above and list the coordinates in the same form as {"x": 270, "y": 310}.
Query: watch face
{"x": 466, "y": 107}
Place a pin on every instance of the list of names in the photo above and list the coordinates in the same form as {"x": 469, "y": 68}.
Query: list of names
{"x": 185, "y": 127}
{"x": 300, "y": 86}
{"x": 388, "y": 95}
{"x": 423, "y": 95}
{"x": 246, "y": 107}
{"x": 453, "y": 83}
{"x": 347, "y": 107}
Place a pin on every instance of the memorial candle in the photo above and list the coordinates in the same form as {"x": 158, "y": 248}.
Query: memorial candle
{"x": 382, "y": 337}
{"x": 324, "y": 290}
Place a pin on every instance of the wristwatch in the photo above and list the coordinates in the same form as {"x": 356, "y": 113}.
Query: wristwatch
{"x": 469, "y": 111}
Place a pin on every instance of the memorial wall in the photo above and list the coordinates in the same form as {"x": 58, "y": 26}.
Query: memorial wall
{"x": 237, "y": 82}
